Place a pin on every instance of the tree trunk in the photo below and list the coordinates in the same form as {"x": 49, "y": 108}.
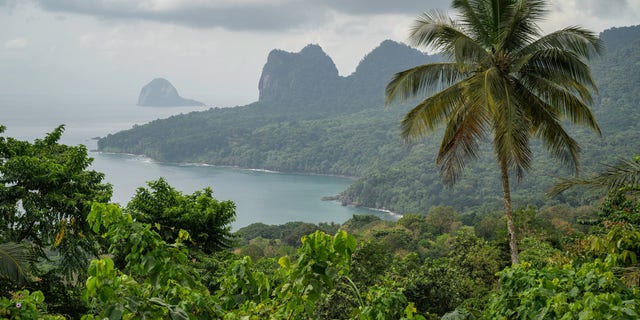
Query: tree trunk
{"x": 513, "y": 242}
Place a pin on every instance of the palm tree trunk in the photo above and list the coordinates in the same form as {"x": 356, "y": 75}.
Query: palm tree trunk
{"x": 513, "y": 243}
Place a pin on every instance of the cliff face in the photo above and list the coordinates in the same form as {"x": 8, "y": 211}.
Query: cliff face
{"x": 309, "y": 73}
{"x": 161, "y": 93}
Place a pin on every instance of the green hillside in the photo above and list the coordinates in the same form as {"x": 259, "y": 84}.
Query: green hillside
{"x": 311, "y": 120}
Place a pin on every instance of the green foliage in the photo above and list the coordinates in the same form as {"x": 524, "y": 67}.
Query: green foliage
{"x": 443, "y": 220}
{"x": 61, "y": 299}
{"x": 591, "y": 291}
{"x": 461, "y": 274}
{"x": 46, "y": 192}
{"x": 370, "y": 261}
{"x": 619, "y": 206}
{"x": 385, "y": 303}
{"x": 207, "y": 220}
{"x": 360, "y": 222}
{"x": 290, "y": 232}
{"x": 321, "y": 260}
{"x": 438, "y": 287}
{"x": 242, "y": 284}
{"x": 25, "y": 305}
{"x": 540, "y": 254}
{"x": 621, "y": 244}
{"x": 158, "y": 280}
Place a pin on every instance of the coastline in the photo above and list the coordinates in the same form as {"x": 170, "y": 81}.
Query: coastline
{"x": 342, "y": 201}
{"x": 204, "y": 164}
{"x": 339, "y": 199}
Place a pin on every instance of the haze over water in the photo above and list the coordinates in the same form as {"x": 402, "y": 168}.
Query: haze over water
{"x": 271, "y": 198}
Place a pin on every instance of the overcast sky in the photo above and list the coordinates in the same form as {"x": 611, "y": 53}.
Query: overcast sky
{"x": 212, "y": 50}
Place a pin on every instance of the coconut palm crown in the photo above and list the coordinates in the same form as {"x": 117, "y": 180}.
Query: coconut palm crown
{"x": 505, "y": 80}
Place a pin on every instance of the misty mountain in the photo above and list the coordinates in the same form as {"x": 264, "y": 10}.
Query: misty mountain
{"x": 161, "y": 93}
{"x": 309, "y": 73}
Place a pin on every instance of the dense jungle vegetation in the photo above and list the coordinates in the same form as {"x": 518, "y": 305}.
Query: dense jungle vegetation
{"x": 339, "y": 125}
{"x": 67, "y": 253}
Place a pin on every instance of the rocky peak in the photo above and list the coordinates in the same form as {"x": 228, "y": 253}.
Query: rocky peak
{"x": 388, "y": 58}
{"x": 161, "y": 93}
{"x": 376, "y": 68}
{"x": 288, "y": 74}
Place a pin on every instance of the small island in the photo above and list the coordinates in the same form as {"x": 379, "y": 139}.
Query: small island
{"x": 161, "y": 93}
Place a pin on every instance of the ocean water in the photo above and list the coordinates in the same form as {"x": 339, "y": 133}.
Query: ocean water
{"x": 267, "y": 197}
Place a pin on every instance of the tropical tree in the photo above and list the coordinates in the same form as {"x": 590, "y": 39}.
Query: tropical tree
{"x": 207, "y": 219}
{"x": 504, "y": 79}
{"x": 46, "y": 191}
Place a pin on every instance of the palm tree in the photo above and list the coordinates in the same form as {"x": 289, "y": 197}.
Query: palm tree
{"x": 505, "y": 79}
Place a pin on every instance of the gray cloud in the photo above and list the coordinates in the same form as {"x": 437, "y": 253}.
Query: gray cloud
{"x": 366, "y": 7}
{"x": 606, "y": 8}
{"x": 233, "y": 15}
{"x": 236, "y": 17}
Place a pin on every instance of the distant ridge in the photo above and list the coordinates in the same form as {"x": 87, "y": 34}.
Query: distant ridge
{"x": 619, "y": 37}
{"x": 161, "y": 93}
{"x": 311, "y": 76}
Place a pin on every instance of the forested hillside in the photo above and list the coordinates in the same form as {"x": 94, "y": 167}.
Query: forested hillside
{"x": 309, "y": 119}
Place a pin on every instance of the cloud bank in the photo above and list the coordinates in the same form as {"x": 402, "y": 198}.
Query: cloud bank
{"x": 237, "y": 15}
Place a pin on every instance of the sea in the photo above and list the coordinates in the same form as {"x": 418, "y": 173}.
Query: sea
{"x": 260, "y": 196}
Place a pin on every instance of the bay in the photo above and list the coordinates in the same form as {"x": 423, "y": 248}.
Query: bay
{"x": 267, "y": 197}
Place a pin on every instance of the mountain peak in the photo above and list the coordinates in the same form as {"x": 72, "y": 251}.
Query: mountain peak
{"x": 312, "y": 49}
{"x": 288, "y": 74}
{"x": 388, "y": 58}
{"x": 161, "y": 93}
{"x": 391, "y": 54}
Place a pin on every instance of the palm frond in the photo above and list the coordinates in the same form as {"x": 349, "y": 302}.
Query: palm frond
{"x": 561, "y": 99}
{"x": 520, "y": 27}
{"x": 13, "y": 260}
{"x": 465, "y": 128}
{"x": 511, "y": 126}
{"x": 469, "y": 55}
{"x": 472, "y": 16}
{"x": 542, "y": 83}
{"x": 422, "y": 80}
{"x": 547, "y": 126}
{"x": 429, "y": 113}
{"x": 437, "y": 31}
{"x": 559, "y": 65}
{"x": 428, "y": 28}
{"x": 584, "y": 43}
{"x": 623, "y": 174}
